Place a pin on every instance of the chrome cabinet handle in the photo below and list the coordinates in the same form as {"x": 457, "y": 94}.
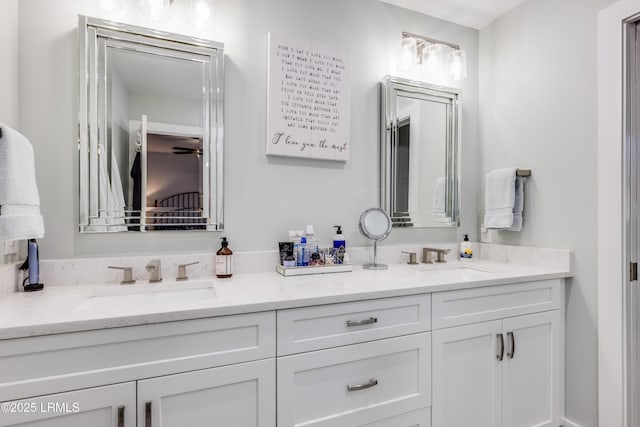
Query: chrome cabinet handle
{"x": 120, "y": 416}
{"x": 356, "y": 387}
{"x": 368, "y": 321}
{"x": 147, "y": 414}
{"x": 512, "y": 344}
{"x": 500, "y": 354}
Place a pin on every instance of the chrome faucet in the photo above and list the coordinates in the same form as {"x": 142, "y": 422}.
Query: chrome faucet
{"x": 426, "y": 255}
{"x": 155, "y": 271}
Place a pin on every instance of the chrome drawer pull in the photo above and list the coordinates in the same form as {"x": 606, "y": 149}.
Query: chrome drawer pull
{"x": 500, "y": 354}
{"x": 512, "y": 341}
{"x": 120, "y": 416}
{"x": 371, "y": 383}
{"x": 368, "y": 321}
{"x": 147, "y": 414}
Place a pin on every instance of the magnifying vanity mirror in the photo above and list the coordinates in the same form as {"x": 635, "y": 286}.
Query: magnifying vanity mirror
{"x": 375, "y": 224}
{"x": 420, "y": 153}
{"x": 150, "y": 130}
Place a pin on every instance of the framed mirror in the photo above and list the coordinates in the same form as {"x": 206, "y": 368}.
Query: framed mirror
{"x": 150, "y": 130}
{"x": 420, "y": 153}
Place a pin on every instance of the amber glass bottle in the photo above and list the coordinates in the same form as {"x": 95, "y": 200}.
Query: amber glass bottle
{"x": 224, "y": 260}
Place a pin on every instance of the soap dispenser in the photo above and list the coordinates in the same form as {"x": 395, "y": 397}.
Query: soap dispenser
{"x": 466, "y": 249}
{"x": 224, "y": 260}
{"x": 339, "y": 245}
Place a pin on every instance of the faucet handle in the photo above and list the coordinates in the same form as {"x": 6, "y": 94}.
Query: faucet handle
{"x": 182, "y": 270}
{"x": 412, "y": 257}
{"x": 128, "y": 274}
{"x": 426, "y": 256}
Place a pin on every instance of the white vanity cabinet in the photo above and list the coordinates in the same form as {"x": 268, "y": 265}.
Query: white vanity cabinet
{"x": 376, "y": 369}
{"x": 109, "y": 406}
{"x": 489, "y": 356}
{"x": 505, "y": 372}
{"x": 187, "y": 373}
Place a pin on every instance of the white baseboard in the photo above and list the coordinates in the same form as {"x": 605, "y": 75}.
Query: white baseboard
{"x": 566, "y": 422}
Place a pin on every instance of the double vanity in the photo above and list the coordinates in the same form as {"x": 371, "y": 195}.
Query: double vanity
{"x": 455, "y": 344}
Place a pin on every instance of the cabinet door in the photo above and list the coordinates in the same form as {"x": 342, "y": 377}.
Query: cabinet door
{"x": 467, "y": 383}
{"x": 230, "y": 396}
{"x": 111, "y": 406}
{"x": 532, "y": 373}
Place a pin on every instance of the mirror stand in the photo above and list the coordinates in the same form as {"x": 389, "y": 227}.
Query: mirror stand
{"x": 374, "y": 265}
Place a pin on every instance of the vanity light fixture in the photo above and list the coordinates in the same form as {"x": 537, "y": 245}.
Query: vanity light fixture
{"x": 428, "y": 53}
{"x": 111, "y": 5}
{"x": 199, "y": 13}
{"x": 157, "y": 10}
{"x": 409, "y": 51}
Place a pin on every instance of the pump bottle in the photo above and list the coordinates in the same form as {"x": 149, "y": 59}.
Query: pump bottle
{"x": 466, "y": 249}
{"x": 224, "y": 260}
{"x": 339, "y": 245}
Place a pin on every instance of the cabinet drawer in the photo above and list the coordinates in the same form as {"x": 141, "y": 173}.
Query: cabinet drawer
{"x": 355, "y": 385}
{"x": 421, "y": 418}
{"x": 49, "y": 364}
{"x": 315, "y": 328}
{"x": 467, "y": 306}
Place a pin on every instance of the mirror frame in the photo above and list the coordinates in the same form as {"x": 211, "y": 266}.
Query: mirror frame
{"x": 366, "y": 232}
{"x": 390, "y": 87}
{"x": 89, "y": 132}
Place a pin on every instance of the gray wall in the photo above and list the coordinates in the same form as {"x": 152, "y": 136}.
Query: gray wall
{"x": 8, "y": 74}
{"x": 9, "y": 69}
{"x": 264, "y": 197}
{"x": 538, "y": 110}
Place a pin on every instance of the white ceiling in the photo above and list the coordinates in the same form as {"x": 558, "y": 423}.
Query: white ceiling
{"x": 471, "y": 13}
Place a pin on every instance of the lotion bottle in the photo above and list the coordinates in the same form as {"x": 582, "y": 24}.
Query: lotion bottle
{"x": 339, "y": 245}
{"x": 312, "y": 244}
{"x": 466, "y": 249}
{"x": 224, "y": 260}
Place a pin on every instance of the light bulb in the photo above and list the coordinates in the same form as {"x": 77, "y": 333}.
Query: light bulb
{"x": 199, "y": 13}
{"x": 158, "y": 10}
{"x": 432, "y": 61}
{"x": 408, "y": 54}
{"x": 458, "y": 64}
{"x": 111, "y": 5}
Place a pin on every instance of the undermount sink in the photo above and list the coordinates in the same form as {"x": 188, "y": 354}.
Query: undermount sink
{"x": 455, "y": 271}
{"x": 148, "y": 294}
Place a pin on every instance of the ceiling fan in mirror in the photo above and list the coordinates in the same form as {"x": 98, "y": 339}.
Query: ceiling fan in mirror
{"x": 187, "y": 150}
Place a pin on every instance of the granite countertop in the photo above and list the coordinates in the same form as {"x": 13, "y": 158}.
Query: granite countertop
{"x": 62, "y": 309}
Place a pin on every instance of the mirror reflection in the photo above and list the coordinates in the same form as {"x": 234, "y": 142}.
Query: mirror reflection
{"x": 420, "y": 153}
{"x": 151, "y": 155}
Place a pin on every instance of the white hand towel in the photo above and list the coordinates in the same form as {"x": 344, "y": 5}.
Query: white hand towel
{"x": 518, "y": 207}
{"x": 438, "y": 198}
{"x": 500, "y": 197}
{"x": 20, "y": 217}
{"x": 438, "y": 211}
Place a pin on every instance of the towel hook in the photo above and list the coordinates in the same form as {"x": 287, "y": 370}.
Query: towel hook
{"x": 525, "y": 173}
